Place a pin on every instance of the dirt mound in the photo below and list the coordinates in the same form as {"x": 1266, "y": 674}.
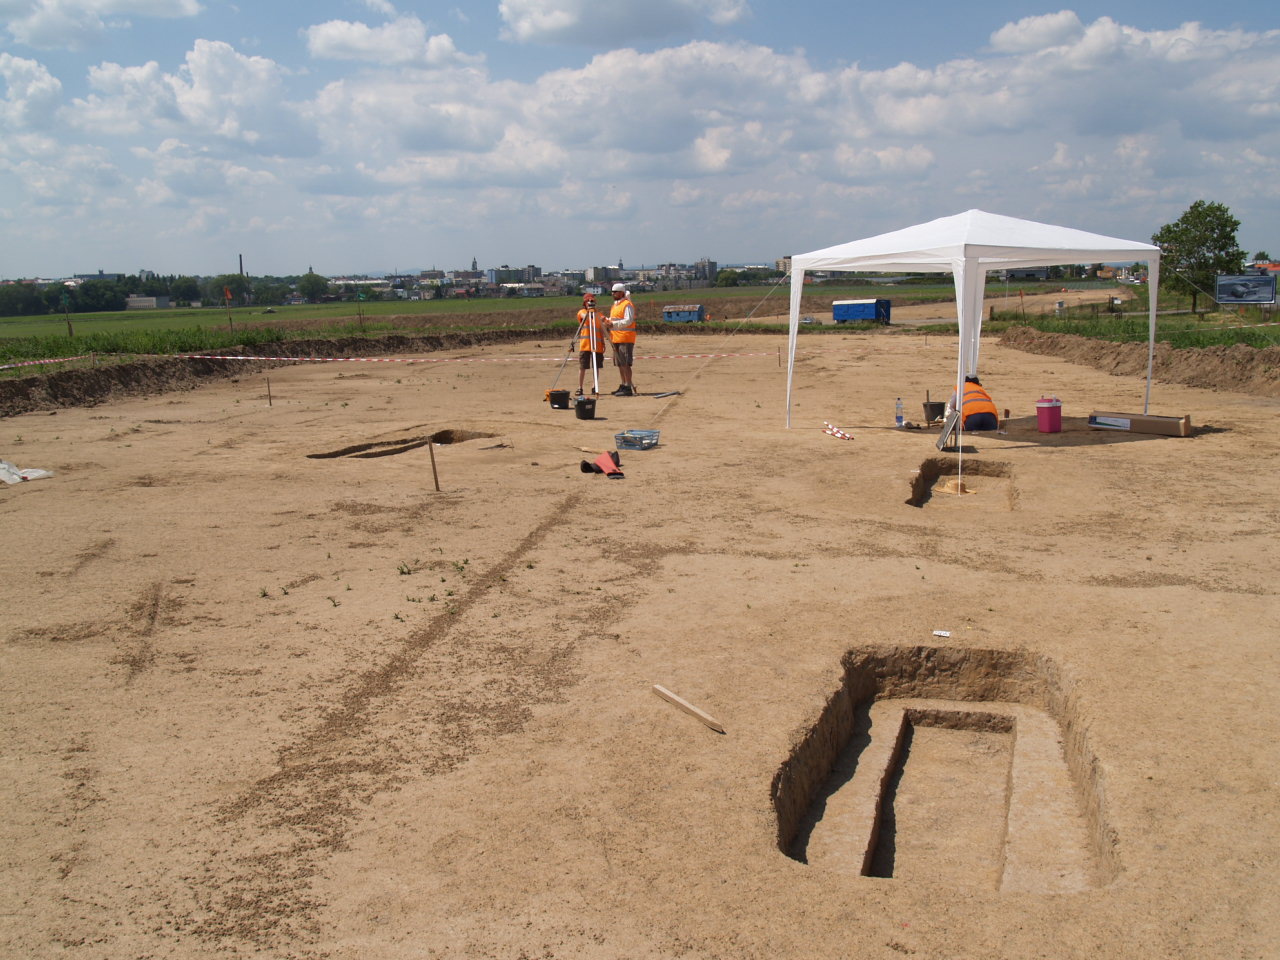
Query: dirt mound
{"x": 81, "y": 388}
{"x": 1239, "y": 368}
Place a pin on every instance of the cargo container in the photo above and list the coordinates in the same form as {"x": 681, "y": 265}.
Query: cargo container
{"x": 854, "y": 311}
{"x": 684, "y": 313}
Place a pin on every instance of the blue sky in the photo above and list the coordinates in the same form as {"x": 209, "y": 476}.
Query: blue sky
{"x": 372, "y": 135}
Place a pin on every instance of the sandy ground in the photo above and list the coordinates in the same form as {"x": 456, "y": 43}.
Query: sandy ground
{"x": 262, "y": 703}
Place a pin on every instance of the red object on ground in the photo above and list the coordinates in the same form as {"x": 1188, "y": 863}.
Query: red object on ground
{"x": 1049, "y": 415}
{"x": 607, "y": 464}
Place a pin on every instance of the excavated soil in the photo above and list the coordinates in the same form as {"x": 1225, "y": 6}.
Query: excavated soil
{"x": 267, "y": 692}
{"x": 1240, "y": 368}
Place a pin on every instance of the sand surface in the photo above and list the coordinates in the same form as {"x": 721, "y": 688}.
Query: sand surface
{"x": 259, "y": 702}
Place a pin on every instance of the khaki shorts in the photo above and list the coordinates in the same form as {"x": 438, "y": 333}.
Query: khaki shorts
{"x": 584, "y": 359}
{"x": 622, "y": 354}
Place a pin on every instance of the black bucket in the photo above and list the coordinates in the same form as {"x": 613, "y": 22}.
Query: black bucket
{"x": 585, "y": 408}
{"x": 933, "y": 410}
{"x": 559, "y": 399}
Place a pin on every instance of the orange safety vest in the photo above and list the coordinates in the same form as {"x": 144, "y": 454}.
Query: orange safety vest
{"x": 977, "y": 400}
{"x": 627, "y": 333}
{"x": 586, "y": 320}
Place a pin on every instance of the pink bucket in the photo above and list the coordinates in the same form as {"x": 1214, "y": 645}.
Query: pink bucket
{"x": 1049, "y": 415}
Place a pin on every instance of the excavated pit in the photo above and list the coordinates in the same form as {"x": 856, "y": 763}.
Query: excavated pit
{"x": 991, "y": 480}
{"x": 963, "y": 767}
{"x": 389, "y": 448}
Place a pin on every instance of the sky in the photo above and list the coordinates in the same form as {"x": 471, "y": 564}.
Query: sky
{"x": 372, "y": 136}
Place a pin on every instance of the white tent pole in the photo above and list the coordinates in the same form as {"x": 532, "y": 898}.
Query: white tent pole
{"x": 966, "y": 354}
{"x": 797, "y": 290}
{"x": 1153, "y": 296}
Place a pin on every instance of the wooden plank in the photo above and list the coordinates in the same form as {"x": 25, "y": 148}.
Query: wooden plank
{"x": 688, "y": 708}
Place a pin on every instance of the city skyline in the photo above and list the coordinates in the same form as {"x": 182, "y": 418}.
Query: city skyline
{"x": 156, "y": 134}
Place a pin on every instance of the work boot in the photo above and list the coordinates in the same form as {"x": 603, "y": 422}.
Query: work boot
{"x": 620, "y": 392}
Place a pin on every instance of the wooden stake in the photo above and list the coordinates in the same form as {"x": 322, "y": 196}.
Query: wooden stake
{"x": 269, "y": 392}
{"x": 689, "y": 708}
{"x": 431, "y": 449}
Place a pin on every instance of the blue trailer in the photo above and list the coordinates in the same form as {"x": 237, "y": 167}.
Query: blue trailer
{"x": 684, "y": 313}
{"x": 854, "y": 311}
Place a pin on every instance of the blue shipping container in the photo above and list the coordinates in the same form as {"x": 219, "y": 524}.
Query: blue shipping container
{"x": 684, "y": 313}
{"x": 849, "y": 311}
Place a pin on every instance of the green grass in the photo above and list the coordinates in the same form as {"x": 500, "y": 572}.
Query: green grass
{"x": 1175, "y": 325}
{"x": 123, "y": 335}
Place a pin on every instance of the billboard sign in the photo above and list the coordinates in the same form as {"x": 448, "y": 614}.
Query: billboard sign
{"x": 1249, "y": 289}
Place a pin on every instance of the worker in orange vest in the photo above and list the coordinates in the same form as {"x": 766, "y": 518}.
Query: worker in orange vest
{"x": 978, "y": 410}
{"x": 593, "y": 333}
{"x": 622, "y": 332}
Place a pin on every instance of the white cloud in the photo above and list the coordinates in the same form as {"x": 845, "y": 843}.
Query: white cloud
{"x": 684, "y": 194}
{"x": 614, "y": 24}
{"x": 704, "y": 141}
{"x": 217, "y": 93}
{"x": 32, "y": 93}
{"x": 1036, "y": 33}
{"x": 869, "y": 163}
{"x": 72, "y": 176}
{"x": 75, "y": 24}
{"x": 403, "y": 41}
{"x": 126, "y": 99}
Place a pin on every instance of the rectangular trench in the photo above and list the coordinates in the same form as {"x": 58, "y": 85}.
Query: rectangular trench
{"x": 943, "y": 814}
{"x": 969, "y": 795}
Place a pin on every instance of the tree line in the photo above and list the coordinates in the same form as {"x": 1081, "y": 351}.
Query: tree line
{"x": 103, "y": 295}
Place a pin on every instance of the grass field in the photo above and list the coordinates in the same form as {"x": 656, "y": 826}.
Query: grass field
{"x": 129, "y": 334}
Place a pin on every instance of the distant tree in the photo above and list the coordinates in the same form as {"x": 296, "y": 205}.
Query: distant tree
{"x": 1197, "y": 247}
{"x": 154, "y": 286}
{"x": 21, "y": 300}
{"x": 185, "y": 289}
{"x": 1262, "y": 257}
{"x": 313, "y": 286}
{"x": 56, "y": 297}
{"x": 98, "y": 296}
{"x": 215, "y": 288}
{"x": 727, "y": 278}
{"x": 268, "y": 290}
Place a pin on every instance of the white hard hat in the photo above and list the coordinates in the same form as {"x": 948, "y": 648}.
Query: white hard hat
{"x": 619, "y": 288}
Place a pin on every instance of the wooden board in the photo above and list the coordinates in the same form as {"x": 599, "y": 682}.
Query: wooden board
{"x": 689, "y": 708}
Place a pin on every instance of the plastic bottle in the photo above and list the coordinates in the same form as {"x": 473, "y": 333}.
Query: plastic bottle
{"x": 897, "y": 413}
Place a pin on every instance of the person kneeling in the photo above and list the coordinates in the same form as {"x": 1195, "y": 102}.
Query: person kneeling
{"x": 979, "y": 410}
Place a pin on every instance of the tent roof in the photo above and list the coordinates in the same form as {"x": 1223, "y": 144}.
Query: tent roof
{"x": 993, "y": 241}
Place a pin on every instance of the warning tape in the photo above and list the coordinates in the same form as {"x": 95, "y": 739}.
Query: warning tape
{"x": 33, "y": 363}
{"x": 835, "y": 432}
{"x": 205, "y": 356}
{"x": 1245, "y": 326}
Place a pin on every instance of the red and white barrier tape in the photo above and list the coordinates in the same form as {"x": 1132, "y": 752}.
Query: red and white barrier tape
{"x": 665, "y": 356}
{"x": 33, "y": 363}
{"x": 835, "y": 432}
{"x": 1245, "y": 326}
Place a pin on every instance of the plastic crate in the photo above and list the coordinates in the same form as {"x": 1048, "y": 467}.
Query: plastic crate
{"x": 636, "y": 439}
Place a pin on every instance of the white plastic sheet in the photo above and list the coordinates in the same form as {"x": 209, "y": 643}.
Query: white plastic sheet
{"x": 11, "y": 474}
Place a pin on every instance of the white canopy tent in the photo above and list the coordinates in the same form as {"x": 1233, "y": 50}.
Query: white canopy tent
{"x": 967, "y": 245}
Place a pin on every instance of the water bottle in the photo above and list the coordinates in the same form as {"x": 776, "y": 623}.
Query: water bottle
{"x": 897, "y": 413}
